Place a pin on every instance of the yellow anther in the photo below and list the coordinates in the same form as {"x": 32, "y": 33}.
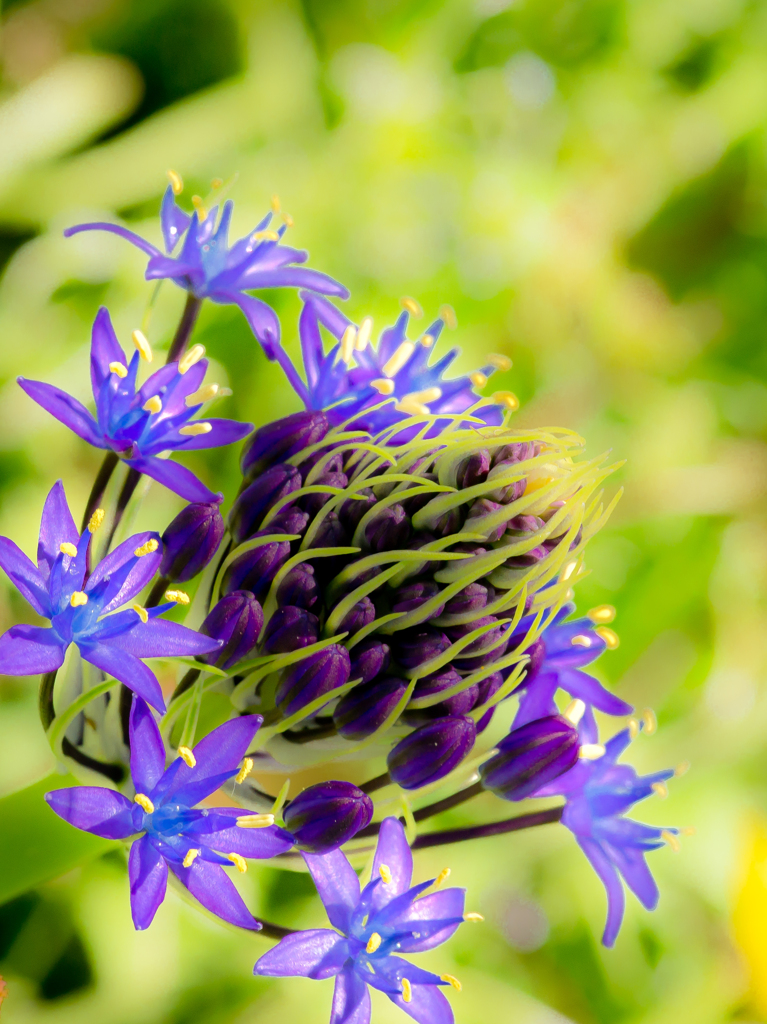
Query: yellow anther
{"x": 383, "y": 387}
{"x": 247, "y": 768}
{"x": 363, "y": 334}
{"x": 478, "y": 379}
{"x": 581, "y": 640}
{"x": 177, "y": 596}
{"x": 671, "y": 839}
{"x": 427, "y": 340}
{"x": 287, "y": 220}
{"x": 239, "y": 862}
{"x": 602, "y": 614}
{"x": 569, "y": 569}
{"x": 216, "y": 182}
{"x": 591, "y": 751}
{"x": 118, "y": 368}
{"x": 153, "y": 405}
{"x": 452, "y": 981}
{"x": 650, "y": 721}
{"x": 395, "y": 363}
{"x": 425, "y": 396}
{"x": 682, "y": 768}
{"x": 447, "y": 313}
{"x": 195, "y": 429}
{"x": 255, "y": 820}
{"x": 191, "y": 856}
{"x": 412, "y": 408}
{"x": 187, "y": 756}
{"x": 144, "y": 802}
{"x": 96, "y": 520}
{"x": 507, "y": 399}
{"x": 146, "y": 549}
{"x": 194, "y": 355}
{"x": 442, "y": 876}
{"x": 142, "y": 613}
{"x": 609, "y": 636}
{"x": 688, "y": 830}
{"x": 347, "y": 343}
{"x": 68, "y": 549}
{"x": 203, "y": 394}
{"x": 176, "y": 182}
{"x": 633, "y": 728}
{"x": 661, "y": 789}
{"x": 275, "y": 204}
{"x": 143, "y": 346}
{"x": 473, "y": 917}
{"x": 268, "y": 236}
{"x": 199, "y": 206}
{"x": 373, "y": 943}
{"x": 413, "y": 307}
{"x": 78, "y": 599}
{"x": 407, "y": 991}
{"x": 502, "y": 363}
{"x": 574, "y": 711}
{"x": 386, "y": 875}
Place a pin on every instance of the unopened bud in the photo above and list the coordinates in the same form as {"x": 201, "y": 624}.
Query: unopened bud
{"x": 325, "y": 816}
{"x": 530, "y": 757}
{"x": 431, "y": 752}
{"x": 191, "y": 541}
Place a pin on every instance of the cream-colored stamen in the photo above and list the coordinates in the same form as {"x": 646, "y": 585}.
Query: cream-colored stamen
{"x": 347, "y": 343}
{"x": 442, "y": 877}
{"x": 187, "y": 756}
{"x": 255, "y": 821}
{"x": 398, "y": 359}
{"x": 650, "y": 721}
{"x": 363, "y": 334}
{"x": 287, "y": 220}
{"x": 195, "y": 429}
{"x": 452, "y": 981}
{"x": 275, "y": 204}
{"x": 671, "y": 839}
{"x": 581, "y": 640}
{"x": 574, "y": 711}
{"x": 447, "y": 313}
{"x": 247, "y": 768}
{"x": 191, "y": 856}
{"x": 569, "y": 570}
{"x": 216, "y": 183}
{"x": 412, "y": 408}
{"x": 96, "y": 520}
{"x": 78, "y": 599}
{"x": 413, "y": 307}
{"x": 591, "y": 751}
{"x": 142, "y": 613}
{"x": 478, "y": 379}
{"x": 152, "y": 405}
{"x": 383, "y": 387}
{"x": 199, "y": 206}
{"x": 203, "y": 394}
{"x": 507, "y": 399}
{"x": 473, "y": 917}
{"x": 502, "y": 363}
{"x": 194, "y": 355}
{"x": 427, "y": 340}
{"x": 267, "y": 236}
{"x": 118, "y": 368}
{"x": 239, "y": 862}
{"x": 682, "y": 768}
{"x": 146, "y": 549}
{"x": 68, "y": 549}
{"x": 602, "y": 614}
{"x": 633, "y": 728}
{"x": 144, "y": 802}
{"x": 373, "y": 943}
{"x": 661, "y": 789}
{"x": 385, "y": 873}
{"x": 425, "y": 396}
{"x": 688, "y": 830}
{"x": 407, "y": 991}
{"x": 177, "y": 596}
{"x": 143, "y": 346}
{"x": 176, "y": 182}
{"x": 609, "y": 636}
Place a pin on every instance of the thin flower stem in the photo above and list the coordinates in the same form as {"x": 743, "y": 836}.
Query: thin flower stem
{"x": 185, "y": 328}
{"x": 124, "y": 497}
{"x": 496, "y": 828}
{"x": 157, "y": 592}
{"x": 115, "y": 772}
{"x": 45, "y": 699}
{"x": 430, "y": 810}
{"x": 274, "y": 931}
{"x": 99, "y": 486}
{"x": 377, "y": 783}
{"x": 188, "y": 681}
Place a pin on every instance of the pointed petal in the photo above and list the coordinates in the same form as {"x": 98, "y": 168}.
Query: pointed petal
{"x": 127, "y": 573}
{"x": 176, "y": 478}
{"x": 608, "y": 875}
{"x": 428, "y": 1005}
{"x": 127, "y": 669}
{"x": 161, "y": 639}
{"x": 351, "y": 999}
{"x": 337, "y": 885}
{"x": 105, "y": 349}
{"x": 25, "y": 576}
{"x": 632, "y": 865}
{"x": 211, "y": 886}
{"x": 393, "y": 852}
{"x": 218, "y": 753}
{"x": 292, "y": 277}
{"x": 147, "y": 750}
{"x": 162, "y": 267}
{"x": 57, "y": 527}
{"x": 251, "y": 843}
{"x": 173, "y": 220}
{"x": 262, "y": 318}
{"x": 222, "y": 433}
{"x": 95, "y": 809}
{"x": 446, "y": 905}
{"x": 148, "y": 874}
{"x": 586, "y": 688}
{"x": 66, "y": 409}
{"x": 114, "y": 229}
{"x": 319, "y": 953}
{"x": 30, "y": 651}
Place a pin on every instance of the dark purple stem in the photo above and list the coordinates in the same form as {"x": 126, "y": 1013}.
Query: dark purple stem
{"x": 157, "y": 592}
{"x": 430, "y": 810}
{"x": 496, "y": 828}
{"x": 99, "y": 486}
{"x": 377, "y": 783}
{"x": 185, "y": 328}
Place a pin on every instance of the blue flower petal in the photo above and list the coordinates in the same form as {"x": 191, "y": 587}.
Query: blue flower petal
{"x": 318, "y": 953}
{"x": 94, "y": 809}
{"x": 148, "y": 874}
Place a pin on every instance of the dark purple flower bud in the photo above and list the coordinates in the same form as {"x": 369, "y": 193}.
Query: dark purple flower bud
{"x": 353, "y": 509}
{"x": 330, "y": 533}
{"x": 505, "y": 493}
{"x": 369, "y": 659}
{"x": 191, "y": 540}
{"x": 536, "y": 652}
{"x": 256, "y": 500}
{"x": 525, "y": 561}
{"x": 520, "y": 525}
{"x": 366, "y": 707}
{"x": 290, "y": 629}
{"x": 237, "y": 620}
{"x": 418, "y": 501}
{"x": 388, "y": 529}
{"x": 431, "y": 751}
{"x": 450, "y": 522}
{"x": 520, "y": 451}
{"x": 277, "y": 441}
{"x": 474, "y": 469}
{"x": 361, "y": 614}
{"x": 335, "y": 464}
{"x": 254, "y": 570}
{"x": 311, "y": 678}
{"x": 471, "y": 599}
{"x": 291, "y": 520}
{"x": 342, "y": 589}
{"x": 415, "y": 646}
{"x": 327, "y": 815}
{"x": 413, "y": 595}
{"x": 530, "y": 757}
{"x": 299, "y": 587}
{"x": 485, "y": 648}
{"x": 480, "y": 510}
{"x": 459, "y": 704}
{"x": 313, "y": 503}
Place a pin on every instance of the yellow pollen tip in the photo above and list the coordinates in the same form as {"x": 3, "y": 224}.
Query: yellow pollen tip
{"x": 442, "y": 876}
{"x": 407, "y": 991}
{"x": 478, "y": 379}
{"x": 633, "y": 728}
{"x": 255, "y": 821}
{"x": 247, "y": 768}
{"x": 574, "y": 711}
{"x": 661, "y": 789}
{"x": 146, "y": 549}
{"x": 203, "y": 394}
{"x": 671, "y": 839}
{"x": 177, "y": 596}
{"x": 373, "y": 943}
{"x": 502, "y": 363}
{"x": 507, "y": 399}
{"x": 176, "y": 182}
{"x": 199, "y": 206}
{"x": 119, "y": 369}
{"x": 383, "y": 387}
{"x": 78, "y": 599}
{"x": 650, "y": 721}
{"x": 195, "y": 429}
{"x": 591, "y": 751}
{"x": 142, "y": 613}
{"x": 412, "y": 408}
{"x": 453, "y": 982}
{"x": 153, "y": 405}
{"x": 287, "y": 220}
{"x": 144, "y": 802}
{"x": 425, "y": 396}
{"x": 239, "y": 862}
{"x": 386, "y": 875}
{"x": 191, "y": 856}
{"x": 609, "y": 636}
{"x": 267, "y": 236}
{"x": 275, "y": 204}
{"x": 395, "y": 363}
{"x": 569, "y": 570}
{"x": 194, "y": 355}
{"x": 427, "y": 340}
{"x": 682, "y": 768}
{"x": 96, "y": 520}
{"x": 68, "y": 549}
{"x": 602, "y": 614}
{"x": 581, "y": 641}
{"x": 473, "y": 917}
{"x": 413, "y": 307}
{"x": 143, "y": 346}
{"x": 216, "y": 182}
{"x": 187, "y": 756}
{"x": 363, "y": 334}
{"x": 689, "y": 830}
{"x": 347, "y": 343}
{"x": 447, "y": 313}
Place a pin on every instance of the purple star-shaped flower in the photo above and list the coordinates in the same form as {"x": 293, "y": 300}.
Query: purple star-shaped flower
{"x": 80, "y": 610}
{"x": 209, "y": 268}
{"x": 555, "y": 663}
{"x": 372, "y": 926}
{"x": 141, "y": 423}
{"x": 168, "y": 831}
{"x": 598, "y": 793}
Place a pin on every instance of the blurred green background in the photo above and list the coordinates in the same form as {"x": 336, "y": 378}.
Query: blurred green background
{"x": 586, "y": 182}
